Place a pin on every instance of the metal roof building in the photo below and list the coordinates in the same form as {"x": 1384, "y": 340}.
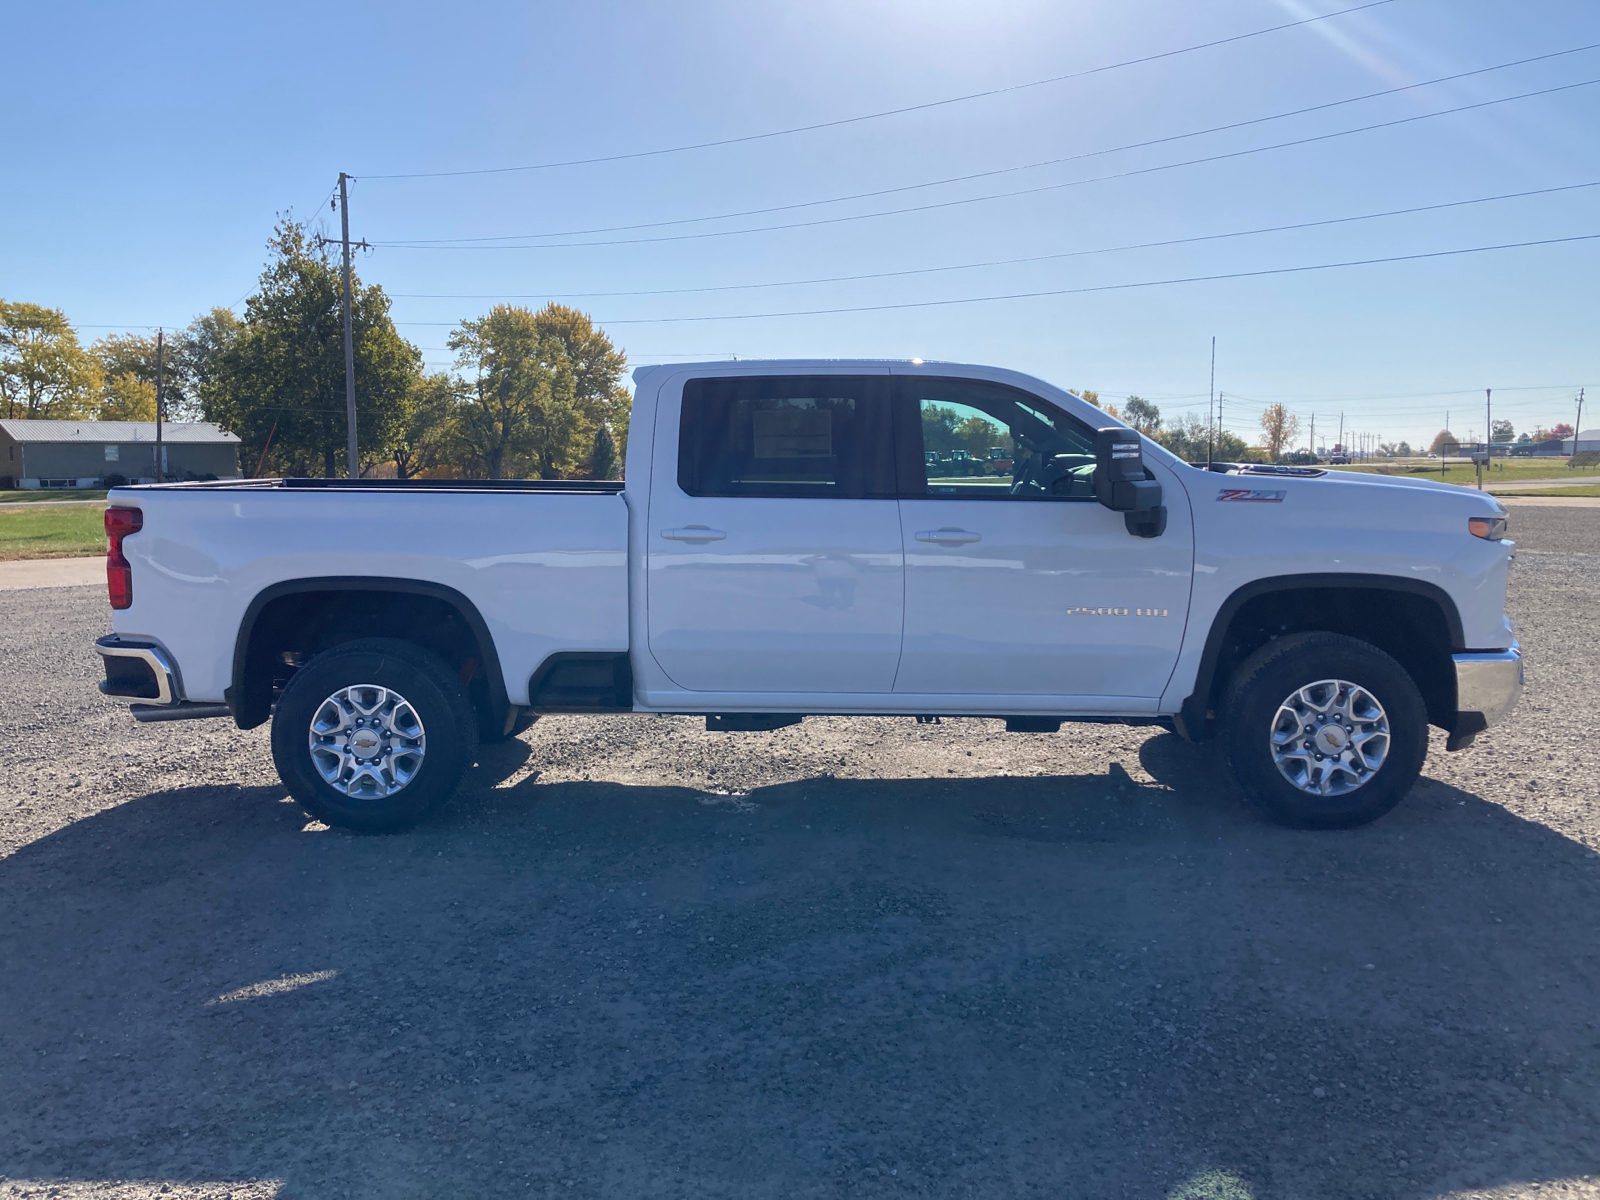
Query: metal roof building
{"x": 79, "y": 454}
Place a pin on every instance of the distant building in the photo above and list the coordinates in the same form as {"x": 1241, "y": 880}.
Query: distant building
{"x": 1587, "y": 442}
{"x": 79, "y": 454}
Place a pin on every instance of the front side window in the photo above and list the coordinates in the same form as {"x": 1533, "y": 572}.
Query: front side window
{"x": 986, "y": 441}
{"x": 819, "y": 436}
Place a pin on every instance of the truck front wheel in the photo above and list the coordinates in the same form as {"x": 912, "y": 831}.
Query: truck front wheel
{"x": 373, "y": 734}
{"x": 1324, "y": 731}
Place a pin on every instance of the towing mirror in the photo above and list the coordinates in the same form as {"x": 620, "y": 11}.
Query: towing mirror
{"x": 1121, "y": 483}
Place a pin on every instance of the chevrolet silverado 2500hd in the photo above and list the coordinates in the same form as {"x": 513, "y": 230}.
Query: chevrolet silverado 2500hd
{"x": 810, "y": 537}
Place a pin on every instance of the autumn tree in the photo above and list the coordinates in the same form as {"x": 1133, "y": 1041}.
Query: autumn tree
{"x": 1444, "y": 444}
{"x": 44, "y": 372}
{"x": 1279, "y": 428}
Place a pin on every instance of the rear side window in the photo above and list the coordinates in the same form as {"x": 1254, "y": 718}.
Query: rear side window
{"x": 821, "y": 436}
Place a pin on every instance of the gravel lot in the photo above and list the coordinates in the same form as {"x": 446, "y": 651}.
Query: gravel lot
{"x": 853, "y": 958}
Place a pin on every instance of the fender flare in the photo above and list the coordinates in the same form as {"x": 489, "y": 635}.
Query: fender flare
{"x": 1191, "y": 718}
{"x": 245, "y": 715}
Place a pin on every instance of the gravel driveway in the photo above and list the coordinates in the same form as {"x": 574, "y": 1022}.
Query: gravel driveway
{"x": 850, "y": 958}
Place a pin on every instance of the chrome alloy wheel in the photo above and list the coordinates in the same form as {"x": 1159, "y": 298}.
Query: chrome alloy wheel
{"x": 1330, "y": 737}
{"x": 367, "y": 741}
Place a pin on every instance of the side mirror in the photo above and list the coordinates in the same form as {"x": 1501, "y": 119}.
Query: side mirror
{"x": 1120, "y": 482}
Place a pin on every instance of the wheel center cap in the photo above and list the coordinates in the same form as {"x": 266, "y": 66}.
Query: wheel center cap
{"x": 364, "y": 743}
{"x": 1331, "y": 739}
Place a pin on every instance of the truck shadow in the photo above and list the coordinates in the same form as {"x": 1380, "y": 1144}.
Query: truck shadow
{"x": 1060, "y": 983}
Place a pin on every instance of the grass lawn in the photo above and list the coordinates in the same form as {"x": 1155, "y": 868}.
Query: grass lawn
{"x": 1591, "y": 490}
{"x": 35, "y": 495}
{"x": 52, "y": 532}
{"x": 1502, "y": 470}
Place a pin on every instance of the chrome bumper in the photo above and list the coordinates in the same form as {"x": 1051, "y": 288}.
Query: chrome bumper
{"x": 1488, "y": 686}
{"x": 160, "y": 687}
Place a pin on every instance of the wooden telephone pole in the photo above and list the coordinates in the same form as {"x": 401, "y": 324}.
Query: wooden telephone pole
{"x": 354, "y": 463}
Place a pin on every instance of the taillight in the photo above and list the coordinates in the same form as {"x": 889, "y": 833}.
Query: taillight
{"x": 120, "y": 522}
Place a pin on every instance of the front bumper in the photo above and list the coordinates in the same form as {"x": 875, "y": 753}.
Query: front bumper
{"x": 1488, "y": 686}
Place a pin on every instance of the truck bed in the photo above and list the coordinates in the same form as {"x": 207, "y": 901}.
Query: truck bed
{"x": 544, "y": 562}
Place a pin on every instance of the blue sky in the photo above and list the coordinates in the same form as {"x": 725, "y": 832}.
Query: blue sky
{"x": 149, "y": 148}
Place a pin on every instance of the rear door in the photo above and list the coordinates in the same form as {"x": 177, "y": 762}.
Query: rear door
{"x": 774, "y": 558}
{"x": 1017, "y": 581}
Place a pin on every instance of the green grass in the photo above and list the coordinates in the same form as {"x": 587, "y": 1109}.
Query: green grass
{"x": 1592, "y": 489}
{"x": 52, "y": 532}
{"x": 35, "y": 495}
{"x": 1502, "y": 470}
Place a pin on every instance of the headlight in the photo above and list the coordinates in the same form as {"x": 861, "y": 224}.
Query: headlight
{"x": 1489, "y": 528}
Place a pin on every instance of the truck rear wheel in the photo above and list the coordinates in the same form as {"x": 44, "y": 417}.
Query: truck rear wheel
{"x": 373, "y": 734}
{"x": 1324, "y": 731}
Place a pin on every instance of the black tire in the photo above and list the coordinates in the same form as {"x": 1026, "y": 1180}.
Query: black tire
{"x": 449, "y": 728}
{"x": 1251, "y": 705}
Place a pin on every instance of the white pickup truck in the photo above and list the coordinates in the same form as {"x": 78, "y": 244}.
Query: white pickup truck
{"x": 810, "y": 537}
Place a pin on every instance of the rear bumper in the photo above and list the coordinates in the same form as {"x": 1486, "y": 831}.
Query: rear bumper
{"x": 143, "y": 672}
{"x": 1488, "y": 686}
{"x": 138, "y": 670}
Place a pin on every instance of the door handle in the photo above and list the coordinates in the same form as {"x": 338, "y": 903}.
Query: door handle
{"x": 949, "y": 536}
{"x": 693, "y": 533}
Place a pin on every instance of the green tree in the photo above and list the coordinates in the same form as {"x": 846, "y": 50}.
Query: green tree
{"x": 126, "y": 397}
{"x": 282, "y": 374}
{"x": 1502, "y": 431}
{"x": 128, "y": 371}
{"x": 200, "y": 352}
{"x": 603, "y": 459}
{"x": 421, "y": 438}
{"x": 1279, "y": 428}
{"x": 522, "y": 408}
{"x": 44, "y": 372}
{"x": 1142, "y": 415}
{"x": 597, "y": 368}
{"x": 1191, "y": 440}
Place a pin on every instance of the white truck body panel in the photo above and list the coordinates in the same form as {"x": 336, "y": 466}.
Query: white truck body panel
{"x": 547, "y": 572}
{"x": 816, "y": 606}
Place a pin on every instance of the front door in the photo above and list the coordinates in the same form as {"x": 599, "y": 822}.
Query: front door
{"x": 774, "y": 537}
{"x": 1017, "y": 581}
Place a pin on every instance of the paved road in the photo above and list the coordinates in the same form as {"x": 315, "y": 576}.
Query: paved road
{"x": 854, "y": 958}
{"x": 1533, "y": 485}
{"x": 52, "y": 572}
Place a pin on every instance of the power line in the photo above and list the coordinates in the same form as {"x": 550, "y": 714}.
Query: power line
{"x": 1049, "y": 187}
{"x": 889, "y": 112}
{"x": 1107, "y": 287}
{"x": 1007, "y": 262}
{"x": 1051, "y": 162}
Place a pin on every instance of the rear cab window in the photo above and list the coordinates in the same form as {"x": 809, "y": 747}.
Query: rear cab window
{"x": 802, "y": 436}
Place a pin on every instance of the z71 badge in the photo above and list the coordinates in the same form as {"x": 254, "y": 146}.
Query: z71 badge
{"x": 1252, "y": 495}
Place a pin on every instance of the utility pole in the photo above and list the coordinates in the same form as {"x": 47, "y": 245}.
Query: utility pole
{"x": 349, "y": 322}
{"x": 1577, "y": 428}
{"x": 1313, "y": 435}
{"x": 349, "y": 331}
{"x": 161, "y": 449}
{"x": 1340, "y": 448}
{"x": 1211, "y": 404}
